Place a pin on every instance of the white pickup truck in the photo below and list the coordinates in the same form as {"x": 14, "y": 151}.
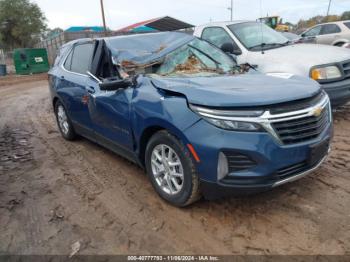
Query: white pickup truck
{"x": 273, "y": 54}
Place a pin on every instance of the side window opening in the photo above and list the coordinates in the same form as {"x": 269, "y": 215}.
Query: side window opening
{"x": 107, "y": 69}
{"x": 314, "y": 31}
{"x": 60, "y": 54}
{"x": 330, "y": 29}
{"x": 68, "y": 62}
{"x": 102, "y": 65}
{"x": 82, "y": 58}
{"x": 217, "y": 36}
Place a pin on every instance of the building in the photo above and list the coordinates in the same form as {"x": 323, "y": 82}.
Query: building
{"x": 165, "y": 23}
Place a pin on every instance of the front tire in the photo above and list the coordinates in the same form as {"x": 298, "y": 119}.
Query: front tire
{"x": 64, "y": 123}
{"x": 339, "y": 44}
{"x": 171, "y": 170}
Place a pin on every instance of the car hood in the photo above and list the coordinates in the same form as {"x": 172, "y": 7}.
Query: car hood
{"x": 239, "y": 91}
{"x": 298, "y": 58}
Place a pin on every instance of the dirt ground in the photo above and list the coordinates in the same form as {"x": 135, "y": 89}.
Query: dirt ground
{"x": 56, "y": 196}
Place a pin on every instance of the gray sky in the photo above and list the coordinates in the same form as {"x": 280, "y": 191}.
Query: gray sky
{"x": 66, "y": 13}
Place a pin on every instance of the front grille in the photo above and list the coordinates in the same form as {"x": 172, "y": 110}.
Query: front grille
{"x": 238, "y": 162}
{"x": 296, "y": 105}
{"x": 302, "y": 129}
{"x": 346, "y": 69}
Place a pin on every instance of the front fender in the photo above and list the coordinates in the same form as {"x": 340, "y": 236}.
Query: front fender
{"x": 154, "y": 108}
{"x": 164, "y": 124}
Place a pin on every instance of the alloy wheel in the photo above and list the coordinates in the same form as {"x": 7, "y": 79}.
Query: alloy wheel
{"x": 62, "y": 119}
{"x": 167, "y": 169}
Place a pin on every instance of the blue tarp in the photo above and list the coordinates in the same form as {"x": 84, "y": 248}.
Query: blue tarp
{"x": 85, "y": 28}
{"x": 141, "y": 29}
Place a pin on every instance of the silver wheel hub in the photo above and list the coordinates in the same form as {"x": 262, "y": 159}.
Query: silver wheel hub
{"x": 62, "y": 119}
{"x": 167, "y": 169}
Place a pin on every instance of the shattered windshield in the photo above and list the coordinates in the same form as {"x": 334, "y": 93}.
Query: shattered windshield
{"x": 197, "y": 57}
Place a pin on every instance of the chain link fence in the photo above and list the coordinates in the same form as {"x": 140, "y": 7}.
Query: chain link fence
{"x": 6, "y": 58}
{"x": 53, "y": 44}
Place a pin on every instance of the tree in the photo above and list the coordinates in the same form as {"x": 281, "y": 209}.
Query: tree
{"x": 345, "y": 15}
{"x": 303, "y": 24}
{"x": 21, "y": 23}
{"x": 331, "y": 18}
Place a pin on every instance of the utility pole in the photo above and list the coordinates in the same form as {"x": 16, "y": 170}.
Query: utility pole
{"x": 329, "y": 7}
{"x": 103, "y": 17}
{"x": 231, "y": 9}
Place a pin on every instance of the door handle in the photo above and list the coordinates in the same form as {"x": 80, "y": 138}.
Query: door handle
{"x": 90, "y": 90}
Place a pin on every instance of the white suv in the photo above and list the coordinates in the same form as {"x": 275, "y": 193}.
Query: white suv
{"x": 257, "y": 44}
{"x": 335, "y": 33}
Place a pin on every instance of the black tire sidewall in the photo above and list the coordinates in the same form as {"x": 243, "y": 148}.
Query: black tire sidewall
{"x": 181, "y": 198}
{"x": 71, "y": 134}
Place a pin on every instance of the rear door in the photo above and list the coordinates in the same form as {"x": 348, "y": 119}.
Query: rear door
{"x": 73, "y": 80}
{"x": 329, "y": 34}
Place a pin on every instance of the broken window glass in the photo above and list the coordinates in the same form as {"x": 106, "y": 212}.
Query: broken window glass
{"x": 196, "y": 57}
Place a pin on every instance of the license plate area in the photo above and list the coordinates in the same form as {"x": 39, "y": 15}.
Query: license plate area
{"x": 318, "y": 152}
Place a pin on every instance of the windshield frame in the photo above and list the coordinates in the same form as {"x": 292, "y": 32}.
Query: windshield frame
{"x": 262, "y": 48}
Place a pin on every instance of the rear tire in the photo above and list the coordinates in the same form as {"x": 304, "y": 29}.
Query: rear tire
{"x": 64, "y": 123}
{"x": 171, "y": 170}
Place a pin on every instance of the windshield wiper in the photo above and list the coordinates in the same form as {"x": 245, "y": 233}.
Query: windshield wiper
{"x": 265, "y": 46}
{"x": 214, "y": 60}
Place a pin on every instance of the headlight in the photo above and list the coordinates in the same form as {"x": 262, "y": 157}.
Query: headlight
{"x": 233, "y": 125}
{"x": 223, "y": 119}
{"x": 325, "y": 73}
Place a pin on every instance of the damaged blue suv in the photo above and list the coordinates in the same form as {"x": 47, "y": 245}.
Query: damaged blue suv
{"x": 181, "y": 108}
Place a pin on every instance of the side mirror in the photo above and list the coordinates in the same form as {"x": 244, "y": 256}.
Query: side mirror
{"x": 303, "y": 35}
{"x": 112, "y": 84}
{"x": 115, "y": 84}
{"x": 230, "y": 48}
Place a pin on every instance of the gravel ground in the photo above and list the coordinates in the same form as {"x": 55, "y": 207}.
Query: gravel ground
{"x": 59, "y": 197}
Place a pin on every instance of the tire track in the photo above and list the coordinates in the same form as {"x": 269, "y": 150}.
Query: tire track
{"x": 110, "y": 206}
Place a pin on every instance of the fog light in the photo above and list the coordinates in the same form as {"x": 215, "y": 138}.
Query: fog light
{"x": 222, "y": 166}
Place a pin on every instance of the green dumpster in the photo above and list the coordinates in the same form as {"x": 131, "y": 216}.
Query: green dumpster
{"x": 30, "y": 61}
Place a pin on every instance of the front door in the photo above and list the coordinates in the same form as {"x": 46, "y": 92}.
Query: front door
{"x": 110, "y": 115}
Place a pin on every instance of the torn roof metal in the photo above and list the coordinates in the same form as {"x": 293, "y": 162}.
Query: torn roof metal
{"x": 165, "y": 23}
{"x": 145, "y": 49}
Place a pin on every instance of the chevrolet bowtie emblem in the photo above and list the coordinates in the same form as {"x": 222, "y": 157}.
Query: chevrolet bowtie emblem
{"x": 318, "y": 111}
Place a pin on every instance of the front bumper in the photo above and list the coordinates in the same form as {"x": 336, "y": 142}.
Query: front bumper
{"x": 270, "y": 157}
{"x": 212, "y": 191}
{"x": 338, "y": 92}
